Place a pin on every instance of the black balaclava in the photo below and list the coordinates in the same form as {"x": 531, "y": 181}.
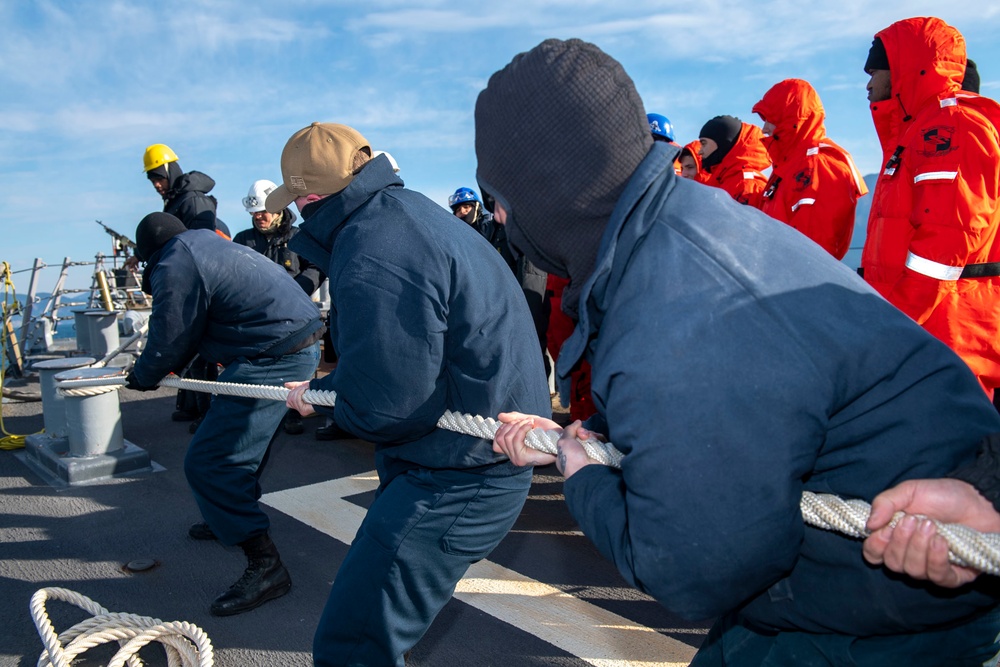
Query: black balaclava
{"x": 168, "y": 170}
{"x": 153, "y": 233}
{"x": 559, "y": 132}
{"x": 473, "y": 215}
{"x": 877, "y": 57}
{"x": 971, "y": 81}
{"x": 724, "y": 131}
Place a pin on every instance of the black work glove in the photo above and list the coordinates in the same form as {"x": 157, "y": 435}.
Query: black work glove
{"x": 131, "y": 382}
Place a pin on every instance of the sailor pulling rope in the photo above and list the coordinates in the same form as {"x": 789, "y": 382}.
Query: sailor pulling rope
{"x": 967, "y": 547}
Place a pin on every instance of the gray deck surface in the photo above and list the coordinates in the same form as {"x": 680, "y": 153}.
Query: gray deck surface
{"x": 81, "y": 537}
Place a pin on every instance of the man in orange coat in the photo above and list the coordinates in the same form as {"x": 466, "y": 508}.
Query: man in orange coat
{"x": 814, "y": 186}
{"x": 690, "y": 163}
{"x": 734, "y": 158}
{"x": 931, "y": 248}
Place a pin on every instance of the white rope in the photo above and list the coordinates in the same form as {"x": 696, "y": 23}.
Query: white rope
{"x": 185, "y": 644}
{"x": 86, "y": 391}
{"x": 480, "y": 427}
{"x": 966, "y": 546}
{"x": 121, "y": 348}
{"x": 980, "y": 551}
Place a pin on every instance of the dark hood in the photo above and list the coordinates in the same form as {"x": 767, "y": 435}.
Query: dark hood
{"x": 559, "y": 132}
{"x": 193, "y": 181}
{"x": 171, "y": 171}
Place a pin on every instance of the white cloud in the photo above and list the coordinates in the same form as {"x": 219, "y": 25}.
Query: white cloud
{"x": 226, "y": 82}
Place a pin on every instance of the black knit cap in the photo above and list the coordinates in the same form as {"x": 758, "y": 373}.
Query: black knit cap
{"x": 559, "y": 133}
{"x": 153, "y": 233}
{"x": 971, "y": 81}
{"x": 724, "y": 131}
{"x": 877, "y": 58}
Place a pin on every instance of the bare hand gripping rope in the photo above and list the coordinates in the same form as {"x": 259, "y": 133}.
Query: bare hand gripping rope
{"x": 967, "y": 547}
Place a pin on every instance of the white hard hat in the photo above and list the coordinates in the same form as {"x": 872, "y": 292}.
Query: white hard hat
{"x": 254, "y": 201}
{"x": 395, "y": 167}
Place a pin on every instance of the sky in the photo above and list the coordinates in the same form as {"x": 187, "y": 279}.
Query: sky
{"x": 86, "y": 86}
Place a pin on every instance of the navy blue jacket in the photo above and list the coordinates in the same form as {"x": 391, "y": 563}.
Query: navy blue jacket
{"x": 425, "y": 316}
{"x": 221, "y": 300}
{"x": 736, "y": 364}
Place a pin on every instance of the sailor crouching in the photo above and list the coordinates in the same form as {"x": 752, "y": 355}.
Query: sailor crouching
{"x": 235, "y": 307}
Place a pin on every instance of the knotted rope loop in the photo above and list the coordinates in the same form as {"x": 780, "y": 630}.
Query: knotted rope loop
{"x": 185, "y": 644}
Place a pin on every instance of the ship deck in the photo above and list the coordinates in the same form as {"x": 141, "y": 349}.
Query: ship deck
{"x": 543, "y": 597}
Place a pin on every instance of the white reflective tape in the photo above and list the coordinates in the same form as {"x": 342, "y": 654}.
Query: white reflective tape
{"x": 950, "y": 102}
{"x": 813, "y": 151}
{"x": 926, "y": 267}
{"x": 936, "y": 176}
{"x": 749, "y": 175}
{"x": 802, "y": 202}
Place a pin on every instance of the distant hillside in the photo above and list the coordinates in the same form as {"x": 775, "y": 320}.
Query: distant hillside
{"x": 23, "y": 298}
{"x": 853, "y": 257}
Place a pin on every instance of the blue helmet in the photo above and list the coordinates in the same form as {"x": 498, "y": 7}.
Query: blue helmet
{"x": 462, "y": 196}
{"x": 660, "y": 126}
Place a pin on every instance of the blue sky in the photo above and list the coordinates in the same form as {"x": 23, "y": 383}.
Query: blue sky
{"x": 86, "y": 86}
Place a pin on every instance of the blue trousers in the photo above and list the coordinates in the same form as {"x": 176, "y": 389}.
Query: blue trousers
{"x": 229, "y": 451}
{"x": 422, "y": 532}
{"x": 731, "y": 643}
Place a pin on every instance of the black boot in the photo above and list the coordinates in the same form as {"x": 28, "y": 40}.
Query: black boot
{"x": 264, "y": 579}
{"x": 332, "y": 432}
{"x": 293, "y": 423}
{"x": 201, "y": 531}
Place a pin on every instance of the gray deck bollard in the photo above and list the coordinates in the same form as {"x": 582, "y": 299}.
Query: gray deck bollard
{"x": 103, "y": 329}
{"x": 53, "y": 408}
{"x": 94, "y": 447}
{"x": 82, "y": 325}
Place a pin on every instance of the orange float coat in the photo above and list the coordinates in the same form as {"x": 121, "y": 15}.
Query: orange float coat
{"x": 694, "y": 150}
{"x": 740, "y": 173}
{"x": 814, "y": 185}
{"x": 936, "y": 207}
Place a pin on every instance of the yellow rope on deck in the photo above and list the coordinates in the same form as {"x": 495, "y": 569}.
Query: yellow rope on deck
{"x": 9, "y": 441}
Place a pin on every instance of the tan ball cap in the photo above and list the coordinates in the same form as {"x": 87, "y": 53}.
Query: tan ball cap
{"x": 316, "y": 161}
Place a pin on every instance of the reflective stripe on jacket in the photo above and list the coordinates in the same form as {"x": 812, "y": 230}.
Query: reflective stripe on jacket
{"x": 936, "y": 206}
{"x": 814, "y": 186}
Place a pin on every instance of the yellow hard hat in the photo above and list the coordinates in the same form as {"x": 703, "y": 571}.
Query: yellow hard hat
{"x": 156, "y": 155}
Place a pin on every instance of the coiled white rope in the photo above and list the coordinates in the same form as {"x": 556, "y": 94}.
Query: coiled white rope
{"x": 87, "y": 391}
{"x": 967, "y": 547}
{"x": 185, "y": 644}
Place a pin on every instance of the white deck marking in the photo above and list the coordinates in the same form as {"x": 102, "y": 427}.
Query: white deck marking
{"x": 594, "y": 635}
